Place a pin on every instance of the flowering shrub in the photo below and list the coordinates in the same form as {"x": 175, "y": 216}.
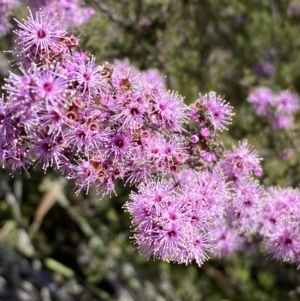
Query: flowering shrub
{"x": 100, "y": 123}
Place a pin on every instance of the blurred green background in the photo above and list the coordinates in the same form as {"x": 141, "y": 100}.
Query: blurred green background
{"x": 227, "y": 46}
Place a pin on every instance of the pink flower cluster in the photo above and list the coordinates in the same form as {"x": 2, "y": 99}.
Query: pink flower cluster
{"x": 273, "y": 214}
{"x": 279, "y": 218}
{"x": 96, "y": 123}
{"x": 99, "y": 123}
{"x": 241, "y": 211}
{"x": 173, "y": 221}
{"x": 280, "y": 109}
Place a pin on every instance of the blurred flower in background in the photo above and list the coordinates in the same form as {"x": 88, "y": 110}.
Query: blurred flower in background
{"x": 144, "y": 21}
{"x": 264, "y": 69}
{"x": 5, "y": 11}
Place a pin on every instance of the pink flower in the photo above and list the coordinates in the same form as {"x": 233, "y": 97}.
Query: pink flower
{"x": 218, "y": 110}
{"x": 261, "y": 99}
{"x": 286, "y": 102}
{"x": 86, "y": 75}
{"x": 284, "y": 242}
{"x": 144, "y": 21}
{"x": 168, "y": 110}
{"x": 241, "y": 161}
{"x": 38, "y": 34}
{"x": 282, "y": 121}
{"x": 227, "y": 241}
